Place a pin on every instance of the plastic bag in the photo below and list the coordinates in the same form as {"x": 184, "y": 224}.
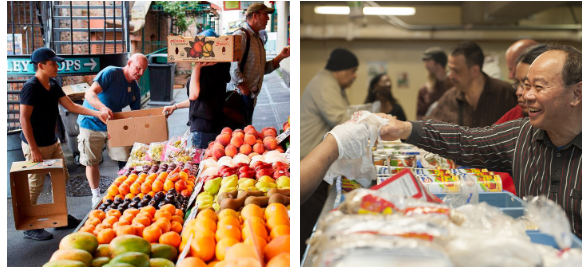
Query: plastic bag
{"x": 156, "y": 150}
{"x": 139, "y": 151}
{"x": 361, "y": 170}
{"x": 489, "y": 251}
{"x": 551, "y": 219}
{"x": 483, "y": 219}
{"x": 468, "y": 194}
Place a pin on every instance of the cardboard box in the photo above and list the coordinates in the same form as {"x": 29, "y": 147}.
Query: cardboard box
{"x": 76, "y": 91}
{"x": 145, "y": 126}
{"x": 204, "y": 49}
{"x": 28, "y": 216}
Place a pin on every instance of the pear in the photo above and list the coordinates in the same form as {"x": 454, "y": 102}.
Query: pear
{"x": 248, "y": 182}
{"x": 283, "y": 182}
{"x": 265, "y": 186}
{"x": 230, "y": 181}
{"x": 211, "y": 187}
{"x": 227, "y": 188}
{"x": 266, "y": 179}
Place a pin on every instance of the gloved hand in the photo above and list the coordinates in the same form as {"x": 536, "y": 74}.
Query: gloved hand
{"x": 352, "y": 140}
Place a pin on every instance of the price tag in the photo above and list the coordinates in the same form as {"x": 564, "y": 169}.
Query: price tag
{"x": 283, "y": 136}
{"x": 186, "y": 249}
{"x": 287, "y": 153}
{"x": 195, "y": 193}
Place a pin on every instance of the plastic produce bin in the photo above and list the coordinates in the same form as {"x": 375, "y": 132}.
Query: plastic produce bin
{"x": 161, "y": 78}
{"x": 505, "y": 201}
{"x": 545, "y": 239}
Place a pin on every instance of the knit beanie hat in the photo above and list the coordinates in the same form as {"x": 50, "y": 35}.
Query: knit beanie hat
{"x": 341, "y": 59}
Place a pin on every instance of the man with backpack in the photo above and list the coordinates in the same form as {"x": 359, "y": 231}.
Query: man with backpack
{"x": 248, "y": 73}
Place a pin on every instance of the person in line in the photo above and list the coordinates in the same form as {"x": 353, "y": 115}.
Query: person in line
{"x": 38, "y": 117}
{"x": 113, "y": 89}
{"x": 522, "y": 68}
{"x": 514, "y": 52}
{"x": 323, "y": 105}
{"x": 206, "y": 98}
{"x": 476, "y": 100}
{"x": 438, "y": 83}
{"x": 247, "y": 74}
{"x": 543, "y": 151}
{"x": 380, "y": 90}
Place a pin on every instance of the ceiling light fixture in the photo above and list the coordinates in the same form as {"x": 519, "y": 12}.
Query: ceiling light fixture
{"x": 342, "y": 10}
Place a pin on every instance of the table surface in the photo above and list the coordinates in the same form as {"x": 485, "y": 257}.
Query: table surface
{"x": 307, "y": 259}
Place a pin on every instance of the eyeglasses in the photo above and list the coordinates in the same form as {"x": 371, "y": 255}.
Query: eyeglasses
{"x": 516, "y": 85}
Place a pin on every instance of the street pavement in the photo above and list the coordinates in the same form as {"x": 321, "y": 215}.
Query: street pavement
{"x": 273, "y": 109}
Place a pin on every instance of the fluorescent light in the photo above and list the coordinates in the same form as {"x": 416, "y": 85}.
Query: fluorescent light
{"x": 396, "y": 11}
{"x": 343, "y": 10}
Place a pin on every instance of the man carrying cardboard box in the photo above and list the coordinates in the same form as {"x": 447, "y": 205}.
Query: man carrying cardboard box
{"x": 113, "y": 89}
{"x": 248, "y": 73}
{"x": 38, "y": 117}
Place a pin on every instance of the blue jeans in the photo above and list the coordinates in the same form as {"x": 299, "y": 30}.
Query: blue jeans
{"x": 200, "y": 140}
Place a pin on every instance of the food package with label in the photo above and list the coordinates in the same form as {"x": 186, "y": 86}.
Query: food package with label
{"x": 434, "y": 161}
{"x": 440, "y": 183}
{"x": 484, "y": 183}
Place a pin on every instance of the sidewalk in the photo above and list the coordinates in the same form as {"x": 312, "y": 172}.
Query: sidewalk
{"x": 273, "y": 109}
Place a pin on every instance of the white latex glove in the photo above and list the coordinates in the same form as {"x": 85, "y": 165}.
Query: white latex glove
{"x": 352, "y": 140}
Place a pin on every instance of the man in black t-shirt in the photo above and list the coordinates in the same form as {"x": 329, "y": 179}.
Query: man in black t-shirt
{"x": 38, "y": 117}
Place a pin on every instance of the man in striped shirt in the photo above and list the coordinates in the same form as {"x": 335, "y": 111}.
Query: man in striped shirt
{"x": 542, "y": 152}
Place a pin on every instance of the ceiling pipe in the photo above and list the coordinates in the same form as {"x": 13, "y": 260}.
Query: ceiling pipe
{"x": 401, "y": 24}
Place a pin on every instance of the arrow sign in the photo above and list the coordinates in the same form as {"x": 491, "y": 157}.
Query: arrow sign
{"x": 72, "y": 65}
{"x": 93, "y": 64}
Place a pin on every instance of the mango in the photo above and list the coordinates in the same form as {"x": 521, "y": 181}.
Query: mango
{"x": 164, "y": 251}
{"x": 137, "y": 259}
{"x": 266, "y": 179}
{"x": 129, "y": 243}
{"x": 65, "y": 263}
{"x": 72, "y": 255}
{"x": 100, "y": 261}
{"x": 103, "y": 250}
{"x": 161, "y": 262}
{"x": 117, "y": 264}
{"x": 80, "y": 240}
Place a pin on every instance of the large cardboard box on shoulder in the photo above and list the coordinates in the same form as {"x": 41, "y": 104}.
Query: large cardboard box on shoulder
{"x": 28, "y": 216}
{"x": 144, "y": 126}
{"x": 203, "y": 49}
{"x": 76, "y": 91}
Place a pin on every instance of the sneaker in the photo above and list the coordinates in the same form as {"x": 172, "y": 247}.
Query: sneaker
{"x": 95, "y": 200}
{"x": 38, "y": 234}
{"x": 72, "y": 223}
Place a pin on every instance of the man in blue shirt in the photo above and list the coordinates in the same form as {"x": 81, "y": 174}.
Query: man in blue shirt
{"x": 113, "y": 89}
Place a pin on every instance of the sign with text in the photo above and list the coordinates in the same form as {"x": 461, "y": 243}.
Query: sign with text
{"x": 71, "y": 65}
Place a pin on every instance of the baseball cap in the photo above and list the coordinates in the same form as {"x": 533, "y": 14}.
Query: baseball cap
{"x": 43, "y": 54}
{"x": 258, "y": 7}
{"x": 436, "y": 54}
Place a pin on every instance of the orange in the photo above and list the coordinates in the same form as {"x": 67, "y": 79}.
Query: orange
{"x": 173, "y": 177}
{"x": 93, "y": 221}
{"x": 162, "y": 176}
{"x": 176, "y": 227}
{"x": 152, "y": 233}
{"x": 190, "y": 223}
{"x": 275, "y": 208}
{"x": 223, "y": 245}
{"x": 151, "y": 177}
{"x": 126, "y": 218}
{"x": 114, "y": 213}
{"x": 206, "y": 223}
{"x": 186, "y": 193}
{"x": 124, "y": 188}
{"x": 152, "y": 193}
{"x": 162, "y": 214}
{"x": 182, "y": 245}
{"x": 88, "y": 228}
{"x": 240, "y": 251}
{"x": 254, "y": 220}
{"x": 140, "y": 195}
{"x": 244, "y": 262}
{"x": 142, "y": 220}
{"x": 168, "y": 185}
{"x": 132, "y": 177}
{"x": 227, "y": 212}
{"x": 112, "y": 190}
{"x": 107, "y": 197}
{"x": 180, "y": 213}
{"x": 142, "y": 176}
{"x": 138, "y": 229}
{"x": 157, "y": 186}
{"x": 177, "y": 218}
{"x": 132, "y": 211}
{"x": 102, "y": 226}
{"x": 120, "y": 179}
{"x": 180, "y": 185}
{"x": 120, "y": 224}
{"x": 257, "y": 229}
{"x": 208, "y": 213}
{"x": 170, "y": 238}
{"x": 146, "y": 187}
{"x": 129, "y": 196}
{"x": 136, "y": 188}
{"x": 279, "y": 245}
{"x": 110, "y": 220}
{"x": 169, "y": 208}
{"x": 261, "y": 242}
{"x": 251, "y": 210}
{"x": 163, "y": 224}
{"x": 192, "y": 262}
{"x": 200, "y": 232}
{"x": 230, "y": 220}
{"x": 145, "y": 215}
{"x": 105, "y": 236}
{"x": 126, "y": 229}
{"x": 119, "y": 196}
{"x": 99, "y": 214}
{"x": 149, "y": 209}
{"x": 228, "y": 230}
{"x": 213, "y": 263}
{"x": 280, "y": 260}
{"x": 183, "y": 175}
{"x": 203, "y": 247}
{"x": 277, "y": 220}
{"x": 280, "y": 230}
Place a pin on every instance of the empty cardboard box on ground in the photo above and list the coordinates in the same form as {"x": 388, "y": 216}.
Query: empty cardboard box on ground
{"x": 143, "y": 126}
{"x": 28, "y": 216}
{"x": 76, "y": 91}
{"x": 204, "y": 49}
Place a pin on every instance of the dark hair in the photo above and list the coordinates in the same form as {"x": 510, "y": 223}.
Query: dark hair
{"x": 571, "y": 73}
{"x": 372, "y": 94}
{"x": 36, "y": 65}
{"x": 472, "y": 53}
{"x": 532, "y": 53}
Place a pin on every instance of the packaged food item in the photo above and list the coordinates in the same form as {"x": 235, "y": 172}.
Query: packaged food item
{"x": 402, "y": 160}
{"x": 380, "y": 159}
{"x": 388, "y": 171}
{"x": 440, "y": 183}
{"x": 348, "y": 185}
{"x": 139, "y": 151}
{"x": 485, "y": 183}
{"x": 469, "y": 171}
{"x": 156, "y": 150}
{"x": 434, "y": 161}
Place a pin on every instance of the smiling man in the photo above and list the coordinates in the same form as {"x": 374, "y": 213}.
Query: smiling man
{"x": 113, "y": 89}
{"x": 543, "y": 152}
